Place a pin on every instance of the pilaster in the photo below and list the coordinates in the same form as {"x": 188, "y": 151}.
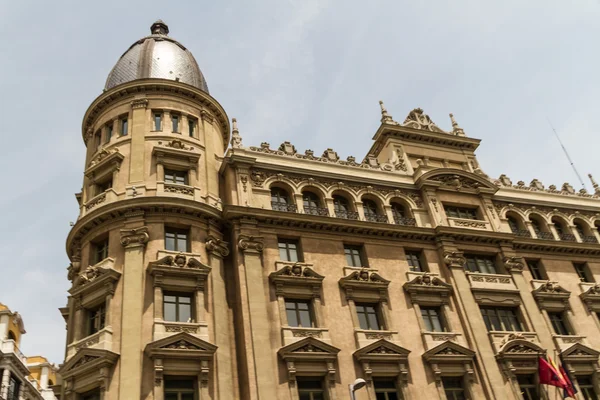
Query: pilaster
{"x": 138, "y": 132}
{"x": 134, "y": 241}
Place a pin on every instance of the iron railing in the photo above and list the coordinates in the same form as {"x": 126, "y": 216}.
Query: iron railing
{"x": 346, "y": 214}
{"x": 322, "y": 211}
{"x": 376, "y": 218}
{"x": 522, "y": 233}
{"x": 405, "y": 221}
{"x": 589, "y": 239}
{"x": 545, "y": 235}
{"x": 567, "y": 237}
{"x": 283, "y": 207}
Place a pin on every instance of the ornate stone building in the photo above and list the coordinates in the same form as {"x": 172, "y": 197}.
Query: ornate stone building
{"x": 202, "y": 268}
{"x": 21, "y": 377}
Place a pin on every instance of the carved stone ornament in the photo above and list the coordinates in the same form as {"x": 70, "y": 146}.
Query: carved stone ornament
{"x": 551, "y": 287}
{"x": 89, "y": 275}
{"x": 297, "y": 271}
{"x": 236, "y": 139}
{"x": 514, "y": 264}
{"x": 217, "y": 247}
{"x": 134, "y": 237}
{"x": 288, "y": 148}
{"x": 258, "y": 178}
{"x": 182, "y": 345}
{"x": 84, "y": 360}
{"x": 73, "y": 269}
{"x": 428, "y": 280}
{"x": 251, "y": 243}
{"x": 102, "y": 155}
{"x": 456, "y": 181}
{"x": 454, "y": 259}
{"x": 330, "y": 155}
{"x": 180, "y": 260}
{"x": 177, "y": 144}
{"x": 139, "y": 103}
{"x": 365, "y": 275}
{"x": 417, "y": 119}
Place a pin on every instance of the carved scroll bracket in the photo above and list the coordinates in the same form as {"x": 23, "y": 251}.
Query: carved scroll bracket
{"x": 251, "y": 243}
{"x": 134, "y": 237}
{"x": 454, "y": 259}
{"x": 217, "y": 247}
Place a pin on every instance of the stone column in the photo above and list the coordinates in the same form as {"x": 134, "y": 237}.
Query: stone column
{"x": 491, "y": 380}
{"x": 211, "y": 170}
{"x": 4, "y": 385}
{"x": 79, "y": 320}
{"x": 259, "y": 364}
{"x": 130, "y": 381}
{"x": 217, "y": 249}
{"x": 138, "y": 132}
{"x": 107, "y": 304}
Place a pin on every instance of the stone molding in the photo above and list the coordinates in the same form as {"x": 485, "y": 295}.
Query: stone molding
{"x": 428, "y": 288}
{"x": 513, "y": 264}
{"x": 365, "y": 283}
{"x": 591, "y": 298}
{"x": 134, "y": 237}
{"x": 551, "y": 296}
{"x": 297, "y": 279}
{"x": 139, "y": 103}
{"x": 455, "y": 259}
{"x": 383, "y": 358}
{"x": 310, "y": 355}
{"x": 251, "y": 244}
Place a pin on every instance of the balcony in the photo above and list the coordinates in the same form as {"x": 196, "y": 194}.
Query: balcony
{"x": 322, "y": 211}
{"x": 346, "y": 214}
{"x": 545, "y": 235}
{"x": 9, "y": 346}
{"x": 405, "y": 221}
{"x": 469, "y": 223}
{"x": 366, "y": 336}
{"x": 292, "y": 334}
{"x": 522, "y": 233}
{"x": 565, "y": 341}
{"x": 499, "y": 338}
{"x": 107, "y": 196}
{"x": 589, "y": 239}
{"x": 376, "y": 218}
{"x": 99, "y": 340}
{"x": 567, "y": 237}
{"x": 164, "y": 329}
{"x": 284, "y": 207}
{"x": 176, "y": 189}
{"x": 491, "y": 281}
{"x": 433, "y": 339}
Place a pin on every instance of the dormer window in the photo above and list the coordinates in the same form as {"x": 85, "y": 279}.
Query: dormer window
{"x": 461, "y": 212}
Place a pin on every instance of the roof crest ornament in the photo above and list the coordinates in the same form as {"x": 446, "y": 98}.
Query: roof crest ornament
{"x": 594, "y": 184}
{"x": 456, "y": 129}
{"x": 385, "y": 117}
{"x": 159, "y": 28}
{"x": 236, "y": 139}
{"x": 417, "y": 119}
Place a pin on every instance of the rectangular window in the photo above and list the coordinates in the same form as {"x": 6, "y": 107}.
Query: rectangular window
{"x": 299, "y": 313}
{"x": 103, "y": 186}
{"x": 157, "y": 121}
{"x": 586, "y": 387}
{"x": 14, "y": 386}
{"x": 179, "y": 177}
{"x": 479, "y": 263}
{"x": 99, "y": 251}
{"x": 385, "y": 389}
{"x": 461, "y": 212}
{"x": 109, "y": 132}
{"x": 536, "y": 270}
{"x": 528, "y": 387}
{"x": 92, "y": 395}
{"x": 98, "y": 139}
{"x": 501, "y": 319}
{"x": 454, "y": 388}
{"x": 177, "y": 307}
{"x": 353, "y": 255}
{"x": 413, "y": 258}
{"x": 175, "y": 121}
{"x": 310, "y": 389}
{"x": 177, "y": 240}
{"x": 191, "y": 126}
{"x": 96, "y": 318}
{"x": 368, "y": 316}
{"x": 583, "y": 272}
{"x": 289, "y": 250}
{"x": 124, "y": 126}
{"x": 559, "y": 324}
{"x": 180, "y": 388}
{"x": 432, "y": 317}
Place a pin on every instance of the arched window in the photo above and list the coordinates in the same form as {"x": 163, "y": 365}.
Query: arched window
{"x": 50, "y": 382}
{"x": 537, "y": 228}
{"x": 280, "y": 200}
{"x": 516, "y": 227}
{"x": 342, "y": 209}
{"x": 371, "y": 212}
{"x": 312, "y": 204}
{"x": 11, "y": 336}
{"x": 586, "y": 235}
{"x": 562, "y": 230}
{"x": 400, "y": 215}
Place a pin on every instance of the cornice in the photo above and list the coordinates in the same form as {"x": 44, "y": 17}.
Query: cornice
{"x": 151, "y": 86}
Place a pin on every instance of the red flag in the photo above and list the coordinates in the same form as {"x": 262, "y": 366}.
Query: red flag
{"x": 569, "y": 388}
{"x": 550, "y": 376}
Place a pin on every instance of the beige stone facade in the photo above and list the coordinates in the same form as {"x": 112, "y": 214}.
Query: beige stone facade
{"x": 203, "y": 267}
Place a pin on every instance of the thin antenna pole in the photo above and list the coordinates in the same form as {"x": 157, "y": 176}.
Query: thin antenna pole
{"x": 566, "y": 153}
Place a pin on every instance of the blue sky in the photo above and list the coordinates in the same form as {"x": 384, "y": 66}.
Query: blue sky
{"x": 308, "y": 71}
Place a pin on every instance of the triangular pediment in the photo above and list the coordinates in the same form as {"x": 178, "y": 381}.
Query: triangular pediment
{"x": 308, "y": 348}
{"x": 180, "y": 342}
{"x": 86, "y": 360}
{"x": 296, "y": 271}
{"x": 448, "y": 352}
{"x": 456, "y": 179}
{"x": 580, "y": 352}
{"x": 383, "y": 350}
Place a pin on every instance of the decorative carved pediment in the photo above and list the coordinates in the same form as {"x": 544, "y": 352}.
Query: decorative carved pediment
{"x": 87, "y": 361}
{"x": 364, "y": 276}
{"x": 381, "y": 350}
{"x": 428, "y": 288}
{"x": 95, "y": 281}
{"x": 580, "y": 353}
{"x": 447, "y": 352}
{"x": 103, "y": 164}
{"x": 180, "y": 261}
{"x": 309, "y": 348}
{"x": 456, "y": 180}
{"x": 365, "y": 283}
{"x": 298, "y": 279}
{"x": 178, "y": 270}
{"x": 181, "y": 344}
{"x": 551, "y": 295}
{"x": 417, "y": 119}
{"x": 516, "y": 346}
{"x": 591, "y": 298}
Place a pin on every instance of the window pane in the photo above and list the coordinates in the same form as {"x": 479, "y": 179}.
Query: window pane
{"x": 187, "y": 396}
{"x": 175, "y": 120}
{"x": 182, "y": 242}
{"x": 362, "y": 317}
{"x": 185, "y": 312}
{"x": 170, "y": 312}
{"x": 191, "y": 125}
{"x": 305, "y": 319}
{"x": 124, "y": 126}
{"x": 157, "y": 121}
{"x": 170, "y": 241}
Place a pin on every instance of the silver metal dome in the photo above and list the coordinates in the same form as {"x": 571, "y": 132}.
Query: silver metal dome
{"x": 157, "y": 56}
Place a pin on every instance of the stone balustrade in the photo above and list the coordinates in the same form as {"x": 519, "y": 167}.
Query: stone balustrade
{"x": 99, "y": 340}
{"x": 291, "y": 334}
{"x": 491, "y": 281}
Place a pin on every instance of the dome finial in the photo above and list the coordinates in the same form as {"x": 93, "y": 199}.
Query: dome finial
{"x": 236, "y": 139}
{"x": 385, "y": 117}
{"x": 159, "y": 28}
